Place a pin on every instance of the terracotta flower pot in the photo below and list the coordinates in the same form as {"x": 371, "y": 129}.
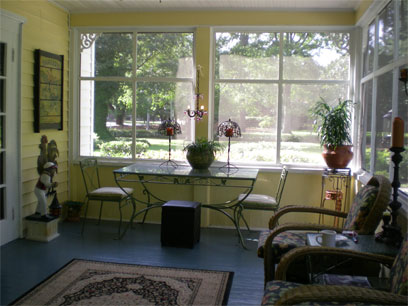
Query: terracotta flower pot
{"x": 339, "y": 158}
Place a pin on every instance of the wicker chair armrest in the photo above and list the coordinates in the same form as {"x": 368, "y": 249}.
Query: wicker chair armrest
{"x": 300, "y": 252}
{"x": 268, "y": 257}
{"x": 341, "y": 294}
{"x": 303, "y": 209}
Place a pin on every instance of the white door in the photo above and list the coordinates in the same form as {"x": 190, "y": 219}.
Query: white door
{"x": 10, "y": 171}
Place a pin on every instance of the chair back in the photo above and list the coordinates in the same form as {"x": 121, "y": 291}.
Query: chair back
{"x": 368, "y": 206}
{"x": 399, "y": 271}
{"x": 281, "y": 186}
{"x": 90, "y": 174}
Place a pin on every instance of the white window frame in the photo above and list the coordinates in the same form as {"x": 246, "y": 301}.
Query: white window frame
{"x": 75, "y": 79}
{"x": 372, "y": 15}
{"x": 280, "y": 82}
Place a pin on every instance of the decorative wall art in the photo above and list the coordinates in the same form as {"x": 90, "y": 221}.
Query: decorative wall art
{"x": 48, "y": 90}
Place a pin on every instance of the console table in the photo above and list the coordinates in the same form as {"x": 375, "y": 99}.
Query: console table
{"x": 241, "y": 178}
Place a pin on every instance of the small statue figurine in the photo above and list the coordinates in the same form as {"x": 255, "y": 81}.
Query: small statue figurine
{"x": 42, "y": 189}
{"x": 48, "y": 153}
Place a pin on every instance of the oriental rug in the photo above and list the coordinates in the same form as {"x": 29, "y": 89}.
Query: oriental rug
{"x": 83, "y": 282}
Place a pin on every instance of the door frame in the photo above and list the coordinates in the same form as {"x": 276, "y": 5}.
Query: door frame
{"x": 15, "y": 224}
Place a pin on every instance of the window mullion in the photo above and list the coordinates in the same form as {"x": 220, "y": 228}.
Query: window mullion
{"x": 374, "y": 99}
{"x": 134, "y": 101}
{"x": 280, "y": 100}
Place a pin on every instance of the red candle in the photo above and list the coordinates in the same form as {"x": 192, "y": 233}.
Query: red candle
{"x": 170, "y": 131}
{"x": 397, "y": 133}
{"x": 229, "y": 132}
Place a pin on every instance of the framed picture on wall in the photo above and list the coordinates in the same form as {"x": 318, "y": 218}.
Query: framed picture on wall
{"x": 48, "y": 90}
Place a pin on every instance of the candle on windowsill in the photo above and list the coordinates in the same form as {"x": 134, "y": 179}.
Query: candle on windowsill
{"x": 397, "y": 140}
{"x": 229, "y": 132}
{"x": 169, "y": 131}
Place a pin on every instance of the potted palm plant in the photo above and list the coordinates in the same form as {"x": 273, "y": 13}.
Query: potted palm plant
{"x": 201, "y": 153}
{"x": 332, "y": 124}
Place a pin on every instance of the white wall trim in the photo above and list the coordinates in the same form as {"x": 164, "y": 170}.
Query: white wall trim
{"x": 13, "y": 16}
{"x": 372, "y": 12}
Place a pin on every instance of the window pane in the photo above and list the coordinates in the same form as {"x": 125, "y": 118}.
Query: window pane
{"x": 386, "y": 39}
{"x": 2, "y": 172}
{"x": 369, "y": 50}
{"x": 2, "y": 203}
{"x": 254, "y": 108}
{"x": 366, "y": 124}
{"x": 109, "y": 55}
{"x": 2, "y": 129}
{"x": 157, "y": 102}
{"x": 403, "y": 30}
{"x": 165, "y": 55}
{"x": 106, "y": 119}
{"x": 2, "y": 93}
{"x": 403, "y": 113}
{"x": 383, "y": 124}
{"x": 2, "y": 59}
{"x": 316, "y": 56}
{"x": 300, "y": 143}
{"x": 247, "y": 56}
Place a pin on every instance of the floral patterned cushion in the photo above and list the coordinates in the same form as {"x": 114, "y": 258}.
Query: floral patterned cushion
{"x": 362, "y": 204}
{"x": 399, "y": 271}
{"x": 275, "y": 289}
{"x": 282, "y": 243}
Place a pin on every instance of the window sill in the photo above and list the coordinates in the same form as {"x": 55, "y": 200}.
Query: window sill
{"x": 301, "y": 169}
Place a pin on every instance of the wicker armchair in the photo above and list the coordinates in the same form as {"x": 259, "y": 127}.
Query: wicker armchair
{"x": 364, "y": 216}
{"x": 282, "y": 292}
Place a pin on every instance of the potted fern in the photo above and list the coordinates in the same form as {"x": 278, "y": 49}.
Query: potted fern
{"x": 333, "y": 124}
{"x": 201, "y": 153}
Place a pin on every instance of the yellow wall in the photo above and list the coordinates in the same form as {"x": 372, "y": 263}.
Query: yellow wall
{"x": 300, "y": 189}
{"x": 46, "y": 28}
{"x": 364, "y": 5}
{"x": 214, "y": 18}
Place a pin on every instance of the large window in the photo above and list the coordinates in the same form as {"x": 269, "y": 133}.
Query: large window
{"x": 384, "y": 97}
{"x": 267, "y": 82}
{"x": 129, "y": 83}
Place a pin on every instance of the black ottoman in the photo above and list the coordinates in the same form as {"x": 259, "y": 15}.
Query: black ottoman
{"x": 180, "y": 225}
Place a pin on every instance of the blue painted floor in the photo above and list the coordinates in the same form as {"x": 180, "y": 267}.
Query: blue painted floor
{"x": 26, "y": 263}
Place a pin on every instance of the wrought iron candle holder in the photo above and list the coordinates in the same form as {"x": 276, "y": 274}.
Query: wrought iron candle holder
{"x": 391, "y": 233}
{"x": 169, "y": 128}
{"x": 199, "y": 111}
{"x": 229, "y": 129}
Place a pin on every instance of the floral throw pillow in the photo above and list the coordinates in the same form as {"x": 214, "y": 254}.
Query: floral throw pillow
{"x": 399, "y": 271}
{"x": 362, "y": 204}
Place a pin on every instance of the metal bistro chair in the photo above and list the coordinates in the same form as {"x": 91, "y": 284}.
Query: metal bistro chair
{"x": 94, "y": 192}
{"x": 262, "y": 201}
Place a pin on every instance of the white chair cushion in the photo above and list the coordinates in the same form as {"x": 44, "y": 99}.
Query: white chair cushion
{"x": 110, "y": 193}
{"x": 258, "y": 201}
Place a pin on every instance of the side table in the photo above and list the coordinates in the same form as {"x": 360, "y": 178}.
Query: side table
{"x": 366, "y": 243}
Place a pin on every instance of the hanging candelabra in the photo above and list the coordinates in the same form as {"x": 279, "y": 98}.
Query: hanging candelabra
{"x": 199, "y": 111}
{"x": 229, "y": 129}
{"x": 169, "y": 128}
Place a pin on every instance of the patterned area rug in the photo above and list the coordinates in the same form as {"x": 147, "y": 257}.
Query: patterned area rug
{"x": 83, "y": 282}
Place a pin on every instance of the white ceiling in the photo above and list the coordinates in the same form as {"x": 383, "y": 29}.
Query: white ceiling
{"x": 96, "y": 6}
